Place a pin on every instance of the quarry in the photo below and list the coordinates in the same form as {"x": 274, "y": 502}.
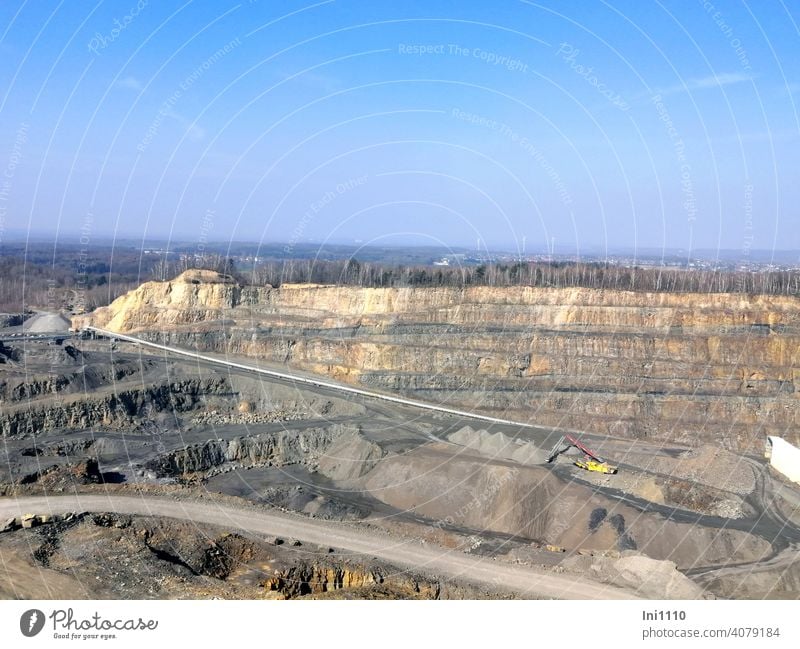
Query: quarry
{"x": 159, "y": 446}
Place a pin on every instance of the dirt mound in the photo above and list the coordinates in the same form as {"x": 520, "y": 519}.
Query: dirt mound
{"x": 651, "y": 578}
{"x": 499, "y": 445}
{"x": 22, "y": 580}
{"x": 709, "y": 465}
{"x": 483, "y": 494}
{"x": 350, "y": 456}
{"x": 674, "y": 492}
{"x": 52, "y": 357}
{"x": 64, "y": 356}
{"x": 65, "y": 477}
{"x": 199, "y": 275}
{"x": 452, "y": 488}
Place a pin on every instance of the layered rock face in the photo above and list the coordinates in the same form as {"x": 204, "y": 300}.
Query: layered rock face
{"x": 276, "y": 448}
{"x": 113, "y": 410}
{"x": 316, "y": 578}
{"x": 688, "y": 368}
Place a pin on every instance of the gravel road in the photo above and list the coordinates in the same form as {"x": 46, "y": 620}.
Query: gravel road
{"x": 495, "y": 575}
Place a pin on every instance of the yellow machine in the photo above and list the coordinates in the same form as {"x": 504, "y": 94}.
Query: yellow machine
{"x": 591, "y": 461}
{"x": 593, "y": 465}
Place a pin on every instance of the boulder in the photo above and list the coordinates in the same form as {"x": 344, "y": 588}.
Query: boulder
{"x": 29, "y": 520}
{"x": 9, "y": 526}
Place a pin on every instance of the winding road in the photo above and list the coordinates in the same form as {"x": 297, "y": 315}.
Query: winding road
{"x": 494, "y": 575}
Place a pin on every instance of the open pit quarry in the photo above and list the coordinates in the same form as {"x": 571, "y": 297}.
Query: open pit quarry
{"x": 304, "y": 490}
{"x": 686, "y": 368}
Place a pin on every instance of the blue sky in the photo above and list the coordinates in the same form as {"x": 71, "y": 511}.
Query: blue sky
{"x": 597, "y": 125}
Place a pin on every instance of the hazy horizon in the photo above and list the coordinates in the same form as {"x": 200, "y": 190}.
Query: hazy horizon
{"x": 311, "y": 249}
{"x": 515, "y": 126}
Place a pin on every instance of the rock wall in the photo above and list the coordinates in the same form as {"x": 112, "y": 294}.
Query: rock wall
{"x": 316, "y": 578}
{"x": 278, "y": 448}
{"x": 113, "y": 410}
{"x": 689, "y": 368}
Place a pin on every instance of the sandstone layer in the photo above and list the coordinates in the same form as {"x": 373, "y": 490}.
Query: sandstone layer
{"x": 688, "y": 368}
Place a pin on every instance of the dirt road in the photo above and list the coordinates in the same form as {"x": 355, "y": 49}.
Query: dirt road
{"x": 494, "y": 575}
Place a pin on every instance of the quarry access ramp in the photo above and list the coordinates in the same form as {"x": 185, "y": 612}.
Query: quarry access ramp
{"x": 286, "y": 376}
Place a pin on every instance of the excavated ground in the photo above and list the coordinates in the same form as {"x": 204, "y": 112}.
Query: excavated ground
{"x": 95, "y": 416}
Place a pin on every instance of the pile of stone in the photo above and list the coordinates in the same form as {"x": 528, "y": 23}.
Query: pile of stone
{"x": 650, "y": 578}
{"x": 710, "y": 465}
{"x": 499, "y": 446}
{"x": 27, "y": 521}
{"x": 217, "y": 418}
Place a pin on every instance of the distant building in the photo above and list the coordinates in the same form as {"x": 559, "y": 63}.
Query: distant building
{"x": 784, "y": 457}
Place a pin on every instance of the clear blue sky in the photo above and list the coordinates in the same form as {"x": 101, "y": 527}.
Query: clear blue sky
{"x": 594, "y": 124}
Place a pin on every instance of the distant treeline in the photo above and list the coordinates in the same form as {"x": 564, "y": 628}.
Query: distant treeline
{"x": 74, "y": 279}
{"x": 79, "y": 280}
{"x": 558, "y": 274}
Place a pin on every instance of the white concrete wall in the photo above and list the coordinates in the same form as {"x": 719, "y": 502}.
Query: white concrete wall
{"x": 785, "y": 458}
